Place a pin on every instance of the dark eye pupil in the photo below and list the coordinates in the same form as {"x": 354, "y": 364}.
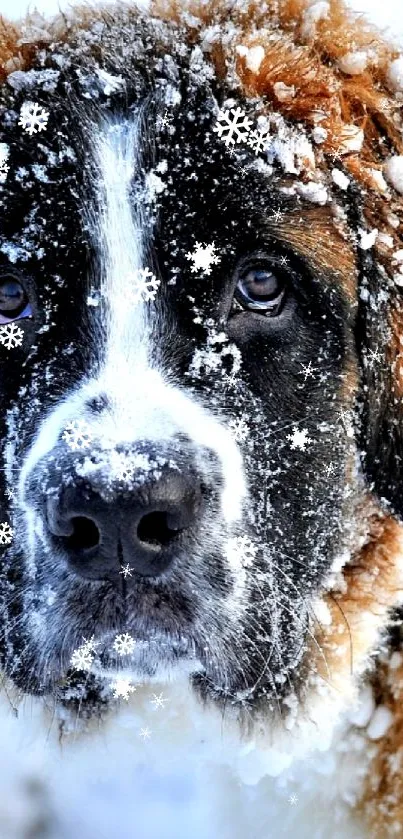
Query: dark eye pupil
{"x": 12, "y": 296}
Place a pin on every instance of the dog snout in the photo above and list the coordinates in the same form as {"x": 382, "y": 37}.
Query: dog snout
{"x": 99, "y": 531}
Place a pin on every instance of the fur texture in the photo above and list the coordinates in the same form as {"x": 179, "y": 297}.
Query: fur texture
{"x": 330, "y": 513}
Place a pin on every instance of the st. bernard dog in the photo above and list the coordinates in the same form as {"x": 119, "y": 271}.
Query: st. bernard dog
{"x": 201, "y": 487}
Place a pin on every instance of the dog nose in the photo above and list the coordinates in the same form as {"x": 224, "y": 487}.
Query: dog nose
{"x": 141, "y": 529}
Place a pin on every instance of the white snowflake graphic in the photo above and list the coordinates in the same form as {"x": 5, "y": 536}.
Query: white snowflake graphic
{"x": 6, "y": 533}
{"x": 257, "y": 140}
{"x": 232, "y": 126}
{"x": 77, "y": 435}
{"x": 158, "y": 700}
{"x": 307, "y": 370}
{"x": 145, "y": 733}
{"x": 293, "y": 800}
{"x": 241, "y": 550}
{"x": 240, "y": 429}
{"x": 277, "y": 216}
{"x": 10, "y": 494}
{"x": 33, "y": 118}
{"x": 122, "y": 688}
{"x": 203, "y": 257}
{"x": 126, "y": 571}
{"x": 163, "y": 122}
{"x": 144, "y": 285}
{"x": 229, "y": 380}
{"x": 83, "y": 656}
{"x": 373, "y": 357}
{"x": 124, "y": 644}
{"x": 299, "y": 439}
{"x": 11, "y": 336}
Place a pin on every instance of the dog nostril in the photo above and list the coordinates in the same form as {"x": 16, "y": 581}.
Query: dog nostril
{"x": 153, "y": 528}
{"x": 85, "y": 534}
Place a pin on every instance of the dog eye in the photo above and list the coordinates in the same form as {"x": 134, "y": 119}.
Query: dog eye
{"x": 261, "y": 287}
{"x": 13, "y": 299}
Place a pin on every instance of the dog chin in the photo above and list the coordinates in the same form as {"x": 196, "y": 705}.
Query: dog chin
{"x": 157, "y": 658}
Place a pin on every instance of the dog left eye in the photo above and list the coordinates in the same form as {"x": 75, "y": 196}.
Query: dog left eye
{"x": 12, "y": 297}
{"x": 261, "y": 287}
{"x": 14, "y": 300}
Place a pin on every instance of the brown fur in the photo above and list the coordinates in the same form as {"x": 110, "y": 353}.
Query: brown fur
{"x": 313, "y": 234}
{"x": 307, "y": 59}
{"x": 382, "y": 802}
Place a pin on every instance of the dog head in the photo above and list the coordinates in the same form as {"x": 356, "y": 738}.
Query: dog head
{"x": 199, "y": 350}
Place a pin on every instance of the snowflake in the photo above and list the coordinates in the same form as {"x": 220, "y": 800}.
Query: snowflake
{"x": 293, "y": 799}
{"x": 373, "y": 356}
{"x": 329, "y": 469}
{"x": 241, "y": 549}
{"x": 229, "y": 380}
{"x": 299, "y": 439}
{"x": 123, "y": 688}
{"x": 126, "y": 571}
{"x": 239, "y": 429}
{"x": 83, "y": 656}
{"x": 10, "y": 494}
{"x": 11, "y": 336}
{"x": 336, "y": 155}
{"x": 232, "y": 126}
{"x": 158, "y": 701}
{"x": 33, "y": 118}
{"x": 203, "y": 257}
{"x": 277, "y": 216}
{"x": 124, "y": 644}
{"x": 6, "y": 533}
{"x": 77, "y": 435}
{"x": 145, "y": 733}
{"x": 307, "y": 370}
{"x": 163, "y": 122}
{"x": 257, "y": 140}
{"x": 145, "y": 285}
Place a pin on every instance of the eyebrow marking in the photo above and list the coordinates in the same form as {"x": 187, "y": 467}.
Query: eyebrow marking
{"x": 312, "y": 232}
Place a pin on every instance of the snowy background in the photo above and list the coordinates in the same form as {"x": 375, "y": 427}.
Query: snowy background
{"x": 387, "y": 13}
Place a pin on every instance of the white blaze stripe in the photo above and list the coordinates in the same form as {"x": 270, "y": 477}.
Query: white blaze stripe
{"x": 117, "y": 155}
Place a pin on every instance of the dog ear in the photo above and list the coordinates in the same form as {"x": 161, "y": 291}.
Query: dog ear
{"x": 379, "y": 338}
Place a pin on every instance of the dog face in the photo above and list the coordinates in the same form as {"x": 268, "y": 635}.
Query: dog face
{"x": 179, "y": 415}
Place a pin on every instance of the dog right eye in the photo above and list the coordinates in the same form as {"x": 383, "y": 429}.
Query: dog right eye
{"x": 13, "y": 298}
